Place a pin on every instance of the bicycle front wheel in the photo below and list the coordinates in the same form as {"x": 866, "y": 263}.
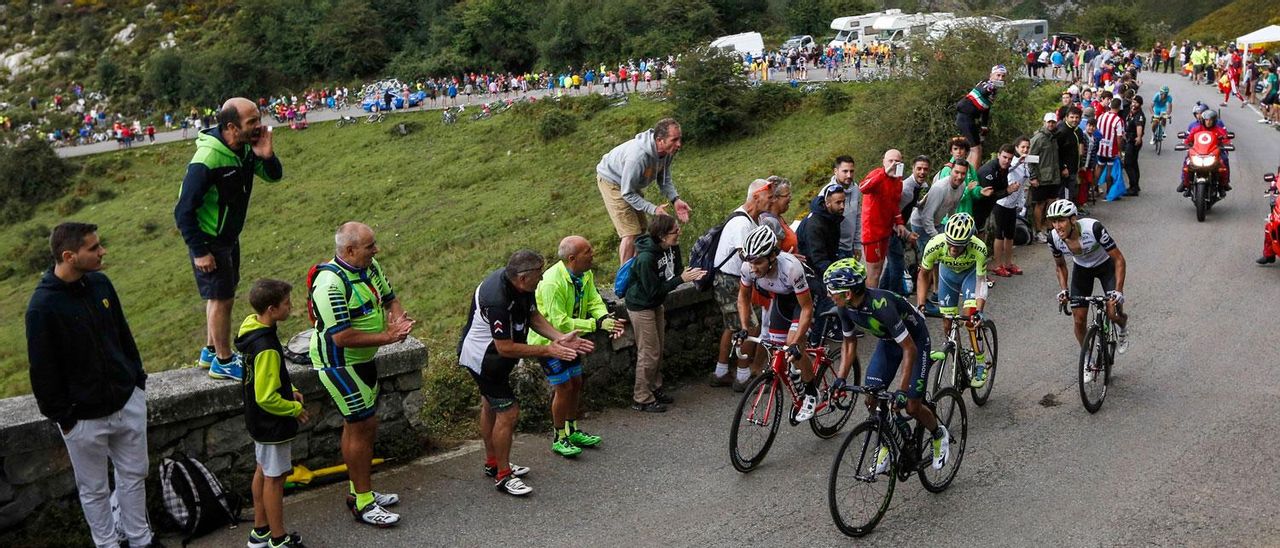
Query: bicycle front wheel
{"x": 755, "y": 423}
{"x": 944, "y": 371}
{"x": 857, "y": 496}
{"x": 991, "y": 345}
{"x": 1093, "y": 382}
{"x": 835, "y": 409}
{"x": 948, "y": 407}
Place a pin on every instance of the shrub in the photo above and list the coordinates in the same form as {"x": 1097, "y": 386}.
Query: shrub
{"x": 710, "y": 96}
{"x": 556, "y": 123}
{"x": 30, "y": 173}
{"x": 103, "y": 194}
{"x": 448, "y": 396}
{"x": 32, "y": 253}
{"x": 768, "y": 102}
{"x": 70, "y": 206}
{"x": 832, "y": 98}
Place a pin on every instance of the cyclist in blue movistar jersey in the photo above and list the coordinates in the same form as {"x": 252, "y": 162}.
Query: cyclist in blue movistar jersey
{"x": 904, "y": 342}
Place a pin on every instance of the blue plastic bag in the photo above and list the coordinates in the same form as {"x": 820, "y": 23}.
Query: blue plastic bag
{"x": 623, "y": 278}
{"x": 1117, "y": 188}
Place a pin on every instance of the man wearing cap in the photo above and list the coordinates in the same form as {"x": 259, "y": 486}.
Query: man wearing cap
{"x": 1043, "y": 164}
{"x": 625, "y": 171}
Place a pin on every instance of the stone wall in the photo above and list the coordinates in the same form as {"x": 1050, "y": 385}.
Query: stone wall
{"x": 189, "y": 412}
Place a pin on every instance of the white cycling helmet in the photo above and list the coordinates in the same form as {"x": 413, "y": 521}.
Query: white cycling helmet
{"x": 1060, "y": 209}
{"x": 759, "y": 243}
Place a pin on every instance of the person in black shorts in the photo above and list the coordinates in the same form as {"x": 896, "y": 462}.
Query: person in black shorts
{"x": 1095, "y": 257}
{"x": 993, "y": 178}
{"x": 503, "y": 310}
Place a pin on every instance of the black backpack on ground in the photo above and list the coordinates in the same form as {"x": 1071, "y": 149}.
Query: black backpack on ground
{"x": 194, "y": 498}
{"x": 703, "y": 253}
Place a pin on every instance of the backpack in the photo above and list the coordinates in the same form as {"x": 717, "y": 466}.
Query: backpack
{"x": 703, "y": 254}
{"x": 194, "y": 497}
{"x": 315, "y": 270}
{"x": 623, "y": 278}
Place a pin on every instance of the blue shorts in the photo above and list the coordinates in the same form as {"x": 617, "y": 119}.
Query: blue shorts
{"x": 888, "y": 355}
{"x": 955, "y": 288}
{"x": 559, "y": 372}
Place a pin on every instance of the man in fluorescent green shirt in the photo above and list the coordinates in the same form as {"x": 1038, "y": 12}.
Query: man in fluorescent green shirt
{"x": 568, "y": 299}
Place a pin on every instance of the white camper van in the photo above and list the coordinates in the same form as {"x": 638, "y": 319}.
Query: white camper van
{"x": 899, "y": 28}
{"x": 746, "y": 42}
{"x": 857, "y": 29}
{"x": 1026, "y": 30}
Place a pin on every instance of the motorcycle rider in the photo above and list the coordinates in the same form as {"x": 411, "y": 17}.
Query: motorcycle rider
{"x": 1210, "y": 123}
{"x": 1271, "y": 232}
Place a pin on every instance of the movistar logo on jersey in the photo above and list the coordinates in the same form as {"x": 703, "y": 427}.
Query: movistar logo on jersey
{"x": 879, "y": 303}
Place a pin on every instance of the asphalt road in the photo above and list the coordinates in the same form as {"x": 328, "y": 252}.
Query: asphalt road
{"x": 1176, "y": 456}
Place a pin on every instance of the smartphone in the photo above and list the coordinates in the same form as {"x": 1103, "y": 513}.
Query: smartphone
{"x": 1033, "y": 159}
{"x": 897, "y": 169}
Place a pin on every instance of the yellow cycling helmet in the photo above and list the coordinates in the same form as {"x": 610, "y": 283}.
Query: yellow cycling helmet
{"x": 959, "y": 229}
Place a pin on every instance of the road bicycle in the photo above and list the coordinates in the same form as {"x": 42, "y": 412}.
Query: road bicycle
{"x": 450, "y": 115}
{"x": 1098, "y": 352}
{"x": 346, "y": 121}
{"x": 953, "y": 366}
{"x": 375, "y": 117}
{"x": 886, "y": 449}
{"x": 755, "y": 422}
{"x": 1157, "y": 131}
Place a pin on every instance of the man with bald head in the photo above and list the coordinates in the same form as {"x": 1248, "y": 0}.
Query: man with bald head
{"x": 881, "y": 216}
{"x": 356, "y": 312}
{"x": 211, "y": 212}
{"x": 568, "y": 299}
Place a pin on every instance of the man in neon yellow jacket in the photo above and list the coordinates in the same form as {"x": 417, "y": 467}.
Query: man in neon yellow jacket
{"x": 568, "y": 299}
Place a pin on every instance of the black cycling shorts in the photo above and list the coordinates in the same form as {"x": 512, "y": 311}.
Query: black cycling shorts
{"x": 1006, "y": 222}
{"x": 1082, "y": 278}
{"x": 494, "y": 381}
{"x": 968, "y": 129}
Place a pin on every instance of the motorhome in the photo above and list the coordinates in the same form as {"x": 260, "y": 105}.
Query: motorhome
{"x": 1026, "y": 30}
{"x": 857, "y": 29}
{"x": 742, "y": 43}
{"x": 899, "y": 28}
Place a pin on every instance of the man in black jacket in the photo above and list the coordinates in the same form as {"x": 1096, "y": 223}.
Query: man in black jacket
{"x": 1071, "y": 142}
{"x": 87, "y": 377}
{"x": 819, "y": 241}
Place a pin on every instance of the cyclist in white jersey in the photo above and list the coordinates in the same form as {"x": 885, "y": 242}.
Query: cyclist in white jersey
{"x": 1096, "y": 256}
{"x": 780, "y": 275}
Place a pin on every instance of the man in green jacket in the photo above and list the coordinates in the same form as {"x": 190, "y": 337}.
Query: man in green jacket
{"x": 568, "y": 299}
{"x": 1046, "y": 171}
{"x": 210, "y": 214}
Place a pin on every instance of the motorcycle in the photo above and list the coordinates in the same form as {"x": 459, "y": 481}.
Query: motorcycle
{"x": 1204, "y": 169}
{"x": 1271, "y": 232}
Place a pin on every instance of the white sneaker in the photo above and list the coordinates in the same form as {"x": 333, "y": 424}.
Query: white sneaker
{"x": 1123, "y": 339}
{"x": 512, "y": 485}
{"x": 941, "y": 448}
{"x": 882, "y": 461}
{"x": 377, "y": 516}
{"x": 806, "y": 408}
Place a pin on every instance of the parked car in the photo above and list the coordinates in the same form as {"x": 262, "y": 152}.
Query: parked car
{"x": 801, "y": 42}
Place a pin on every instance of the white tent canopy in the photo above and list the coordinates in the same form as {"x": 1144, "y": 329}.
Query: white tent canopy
{"x": 1260, "y": 36}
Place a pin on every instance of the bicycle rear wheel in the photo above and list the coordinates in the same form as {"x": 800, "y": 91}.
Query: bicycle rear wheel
{"x": 837, "y": 408}
{"x": 1092, "y": 376}
{"x": 755, "y": 423}
{"x": 948, "y": 406}
{"x": 858, "y": 497}
{"x": 990, "y": 343}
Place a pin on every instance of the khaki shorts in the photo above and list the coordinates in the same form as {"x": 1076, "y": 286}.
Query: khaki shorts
{"x": 626, "y": 220}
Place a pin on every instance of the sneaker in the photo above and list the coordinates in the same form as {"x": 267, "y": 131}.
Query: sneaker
{"x": 1041, "y": 237}
{"x": 979, "y": 377}
{"x": 941, "y": 448}
{"x": 882, "y": 461}
{"x": 1122, "y": 339}
{"x": 1264, "y": 121}
{"x": 512, "y": 485}
{"x": 376, "y": 515}
{"x": 516, "y": 470}
{"x": 232, "y": 369}
{"x": 583, "y": 439}
{"x": 1153, "y": 141}
{"x": 741, "y": 386}
{"x": 1013, "y": 269}
{"x": 719, "y": 381}
{"x": 565, "y": 448}
{"x": 661, "y": 396}
{"x": 651, "y": 407}
{"x": 806, "y": 408}
{"x": 259, "y": 541}
{"x": 291, "y": 540}
{"x": 1265, "y": 260}
{"x": 381, "y": 499}
{"x": 1001, "y": 271}
{"x": 204, "y": 361}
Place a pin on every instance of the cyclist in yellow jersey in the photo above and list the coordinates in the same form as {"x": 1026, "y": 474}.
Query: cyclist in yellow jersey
{"x": 961, "y": 282}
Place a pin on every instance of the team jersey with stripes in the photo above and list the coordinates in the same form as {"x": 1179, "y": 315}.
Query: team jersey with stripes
{"x": 498, "y": 311}
{"x": 1095, "y": 242}
{"x": 363, "y": 311}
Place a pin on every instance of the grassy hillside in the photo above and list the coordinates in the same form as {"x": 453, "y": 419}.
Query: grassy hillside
{"x": 1233, "y": 20}
{"x": 448, "y": 204}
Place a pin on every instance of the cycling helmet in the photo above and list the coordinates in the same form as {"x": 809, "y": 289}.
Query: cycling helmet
{"x": 959, "y": 229}
{"x": 1060, "y": 209}
{"x": 759, "y": 243}
{"x": 1164, "y": 89}
{"x": 845, "y": 275}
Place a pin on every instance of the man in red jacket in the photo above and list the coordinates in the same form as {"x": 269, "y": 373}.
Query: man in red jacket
{"x": 881, "y": 218}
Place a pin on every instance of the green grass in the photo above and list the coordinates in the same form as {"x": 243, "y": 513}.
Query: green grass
{"x": 1233, "y": 20}
{"x": 448, "y": 205}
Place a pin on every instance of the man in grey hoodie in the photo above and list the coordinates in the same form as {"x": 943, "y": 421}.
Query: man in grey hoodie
{"x": 941, "y": 201}
{"x": 625, "y": 171}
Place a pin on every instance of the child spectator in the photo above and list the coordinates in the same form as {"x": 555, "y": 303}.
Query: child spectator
{"x": 1090, "y": 161}
{"x": 272, "y": 410}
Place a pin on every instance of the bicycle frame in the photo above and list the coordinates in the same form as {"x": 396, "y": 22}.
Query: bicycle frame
{"x": 903, "y": 451}
{"x": 780, "y": 370}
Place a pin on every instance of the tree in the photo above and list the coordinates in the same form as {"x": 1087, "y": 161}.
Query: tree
{"x": 348, "y": 41}
{"x": 161, "y": 78}
{"x": 710, "y": 96}
{"x": 1108, "y": 22}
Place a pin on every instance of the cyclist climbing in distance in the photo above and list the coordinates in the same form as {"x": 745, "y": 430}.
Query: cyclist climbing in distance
{"x": 962, "y": 280}
{"x": 904, "y": 342}
{"x": 1096, "y": 257}
{"x": 790, "y": 312}
{"x": 1161, "y": 107}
